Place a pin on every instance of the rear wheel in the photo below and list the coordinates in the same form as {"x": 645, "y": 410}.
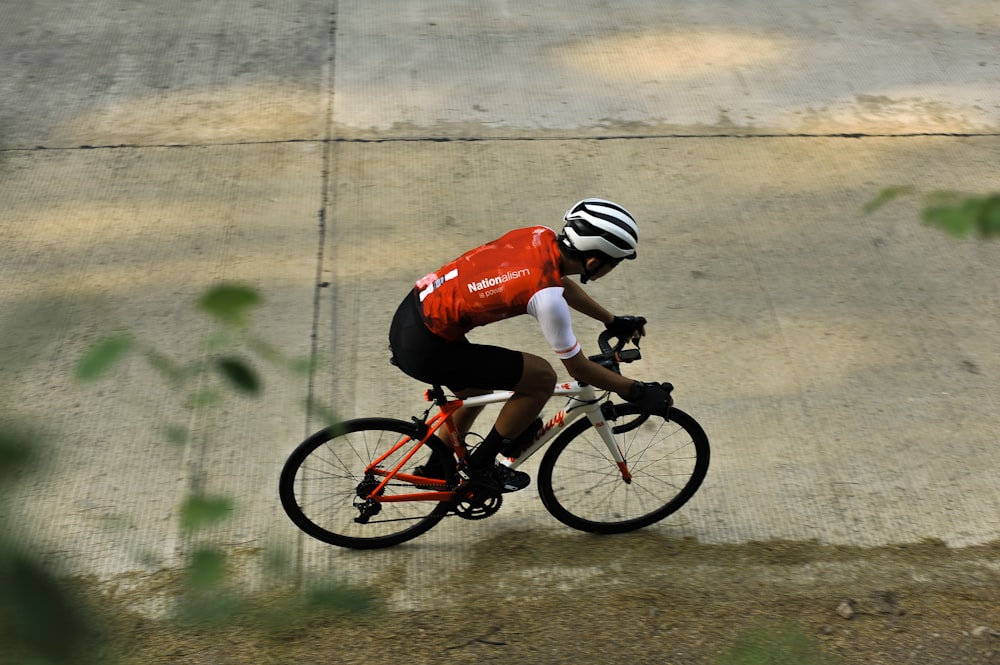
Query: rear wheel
{"x": 323, "y": 485}
{"x": 582, "y": 486}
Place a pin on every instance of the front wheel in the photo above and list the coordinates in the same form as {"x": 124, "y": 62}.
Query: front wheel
{"x": 582, "y": 486}
{"x": 323, "y": 484}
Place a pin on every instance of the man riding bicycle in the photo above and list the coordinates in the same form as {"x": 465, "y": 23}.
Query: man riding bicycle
{"x": 523, "y": 272}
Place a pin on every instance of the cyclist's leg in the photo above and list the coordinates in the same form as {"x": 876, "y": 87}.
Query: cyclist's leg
{"x": 465, "y": 417}
{"x": 530, "y": 378}
{"x": 494, "y": 368}
{"x": 530, "y": 395}
{"x": 467, "y": 369}
{"x": 531, "y": 392}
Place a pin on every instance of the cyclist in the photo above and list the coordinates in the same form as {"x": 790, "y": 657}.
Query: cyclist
{"x": 526, "y": 271}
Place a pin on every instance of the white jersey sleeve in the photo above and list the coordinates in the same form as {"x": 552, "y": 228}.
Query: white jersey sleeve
{"x": 551, "y": 310}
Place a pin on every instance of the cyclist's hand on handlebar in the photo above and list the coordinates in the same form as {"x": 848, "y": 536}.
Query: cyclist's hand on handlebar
{"x": 653, "y": 397}
{"x": 627, "y": 327}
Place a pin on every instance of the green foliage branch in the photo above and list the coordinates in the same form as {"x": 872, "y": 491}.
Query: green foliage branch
{"x": 959, "y": 214}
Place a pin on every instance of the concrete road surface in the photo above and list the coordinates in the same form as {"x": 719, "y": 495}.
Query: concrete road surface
{"x": 846, "y": 367}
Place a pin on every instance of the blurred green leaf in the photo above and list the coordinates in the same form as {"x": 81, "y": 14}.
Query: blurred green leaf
{"x": 957, "y": 213}
{"x": 943, "y": 198}
{"x": 199, "y": 511}
{"x": 989, "y": 216}
{"x": 277, "y": 560}
{"x": 775, "y": 645}
{"x": 962, "y": 216}
{"x": 16, "y": 453}
{"x": 957, "y": 221}
{"x": 102, "y": 357}
{"x": 266, "y": 351}
{"x": 177, "y": 434}
{"x": 209, "y": 607}
{"x": 229, "y": 303}
{"x": 163, "y": 364}
{"x": 206, "y": 568}
{"x": 339, "y": 598}
{"x": 300, "y": 365}
{"x": 43, "y": 618}
{"x": 206, "y": 397}
{"x": 885, "y": 196}
{"x": 324, "y": 413}
{"x": 217, "y": 341}
{"x": 239, "y": 374}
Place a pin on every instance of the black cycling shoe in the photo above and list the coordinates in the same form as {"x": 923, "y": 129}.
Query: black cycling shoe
{"x": 501, "y": 477}
{"x": 510, "y": 480}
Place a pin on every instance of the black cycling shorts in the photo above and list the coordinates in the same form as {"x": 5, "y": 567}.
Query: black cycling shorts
{"x": 458, "y": 365}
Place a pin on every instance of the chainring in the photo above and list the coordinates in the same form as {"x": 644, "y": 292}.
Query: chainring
{"x": 477, "y": 500}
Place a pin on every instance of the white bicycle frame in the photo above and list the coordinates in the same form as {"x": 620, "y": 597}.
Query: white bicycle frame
{"x": 583, "y": 401}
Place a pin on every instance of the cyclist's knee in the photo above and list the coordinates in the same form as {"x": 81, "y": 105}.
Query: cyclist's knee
{"x": 537, "y": 378}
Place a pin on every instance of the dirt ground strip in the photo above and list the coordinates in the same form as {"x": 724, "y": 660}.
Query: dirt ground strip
{"x": 633, "y": 599}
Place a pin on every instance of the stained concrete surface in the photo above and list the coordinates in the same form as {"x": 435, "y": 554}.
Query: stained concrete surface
{"x": 328, "y": 153}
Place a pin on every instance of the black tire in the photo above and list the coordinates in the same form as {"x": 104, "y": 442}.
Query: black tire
{"x": 319, "y": 484}
{"x": 582, "y": 487}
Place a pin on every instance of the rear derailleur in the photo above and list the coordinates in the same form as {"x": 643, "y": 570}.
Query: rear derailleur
{"x": 367, "y": 507}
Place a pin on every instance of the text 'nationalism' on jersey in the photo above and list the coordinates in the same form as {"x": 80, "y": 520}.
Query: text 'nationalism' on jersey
{"x": 495, "y": 281}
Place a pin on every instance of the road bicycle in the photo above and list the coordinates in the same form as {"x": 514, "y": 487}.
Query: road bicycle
{"x": 612, "y": 467}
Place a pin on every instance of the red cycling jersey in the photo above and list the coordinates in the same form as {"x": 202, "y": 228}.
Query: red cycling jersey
{"x": 496, "y": 281}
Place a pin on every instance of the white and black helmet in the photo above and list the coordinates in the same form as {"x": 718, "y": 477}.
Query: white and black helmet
{"x": 596, "y": 225}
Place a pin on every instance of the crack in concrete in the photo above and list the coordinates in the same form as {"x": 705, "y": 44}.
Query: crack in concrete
{"x": 513, "y": 139}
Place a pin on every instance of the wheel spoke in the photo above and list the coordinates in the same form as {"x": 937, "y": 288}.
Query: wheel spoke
{"x": 320, "y": 486}
{"x": 582, "y": 486}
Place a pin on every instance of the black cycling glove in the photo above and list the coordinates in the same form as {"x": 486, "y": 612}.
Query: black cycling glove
{"x": 627, "y": 327}
{"x": 653, "y": 397}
